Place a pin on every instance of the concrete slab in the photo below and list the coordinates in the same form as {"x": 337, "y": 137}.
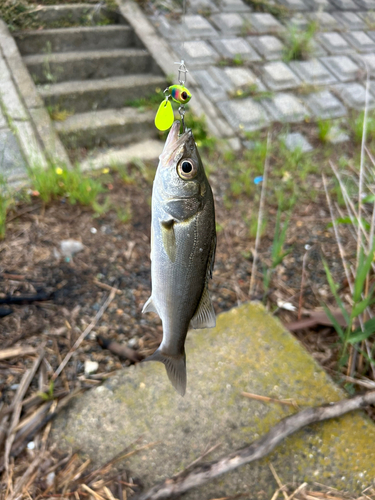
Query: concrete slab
{"x": 30, "y": 146}
{"x": 8, "y": 94}
{"x": 325, "y": 21}
{"x": 203, "y": 6}
{"x": 334, "y": 43}
{"x": 360, "y": 41}
{"x": 297, "y": 5}
{"x": 249, "y": 350}
{"x": 350, "y": 20}
{"x": 319, "y": 5}
{"x": 233, "y": 6}
{"x": 343, "y": 67}
{"x": 268, "y": 46}
{"x": 296, "y": 141}
{"x": 353, "y": 95}
{"x": 229, "y": 23}
{"x": 244, "y": 114}
{"x": 325, "y": 105}
{"x": 366, "y": 4}
{"x": 198, "y": 27}
{"x": 367, "y": 61}
{"x": 198, "y": 53}
{"x": 278, "y": 76}
{"x": 232, "y": 48}
{"x": 211, "y": 86}
{"x": 345, "y": 4}
{"x": 242, "y": 77}
{"x": 286, "y": 108}
{"x": 312, "y": 72}
{"x": 262, "y": 22}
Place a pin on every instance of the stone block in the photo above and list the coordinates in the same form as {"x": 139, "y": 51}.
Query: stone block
{"x": 371, "y": 34}
{"x": 316, "y": 49}
{"x": 367, "y": 61}
{"x": 267, "y": 46}
{"x": 334, "y": 43}
{"x": 312, "y": 72}
{"x": 12, "y": 163}
{"x": 354, "y": 95}
{"x": 231, "y": 48}
{"x": 211, "y": 86}
{"x": 3, "y": 121}
{"x": 325, "y": 21}
{"x": 244, "y": 114}
{"x": 298, "y": 21}
{"x": 264, "y": 23}
{"x": 286, "y": 108}
{"x": 296, "y": 141}
{"x": 9, "y": 96}
{"x": 229, "y": 23}
{"x": 369, "y": 18}
{"x": 350, "y": 20}
{"x": 24, "y": 82}
{"x": 319, "y": 5}
{"x": 278, "y": 76}
{"x": 30, "y": 146}
{"x": 239, "y": 78}
{"x": 198, "y": 53}
{"x": 297, "y": 5}
{"x": 233, "y": 6}
{"x": 345, "y": 4}
{"x": 7, "y": 43}
{"x": 247, "y": 351}
{"x": 342, "y": 67}
{"x": 336, "y": 135}
{"x": 360, "y": 41}
{"x": 199, "y": 6}
{"x": 197, "y": 26}
{"x": 366, "y": 4}
{"x": 325, "y": 105}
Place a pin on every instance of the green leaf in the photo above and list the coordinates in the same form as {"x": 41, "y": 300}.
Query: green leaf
{"x": 363, "y": 268}
{"x": 333, "y": 288}
{"x": 359, "y": 335}
{"x": 360, "y": 307}
{"x": 339, "y": 330}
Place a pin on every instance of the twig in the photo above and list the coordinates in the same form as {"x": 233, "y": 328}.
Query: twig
{"x": 278, "y": 481}
{"x": 84, "y": 334}
{"x": 107, "y": 287}
{"x": 12, "y": 352}
{"x": 260, "y": 217}
{"x": 300, "y": 487}
{"x": 201, "y": 474}
{"x": 267, "y": 399}
{"x": 302, "y": 285}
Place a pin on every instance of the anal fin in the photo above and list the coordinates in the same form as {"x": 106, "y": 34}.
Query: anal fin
{"x": 204, "y": 316}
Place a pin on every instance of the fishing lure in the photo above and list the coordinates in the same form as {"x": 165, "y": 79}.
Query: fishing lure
{"x": 164, "y": 116}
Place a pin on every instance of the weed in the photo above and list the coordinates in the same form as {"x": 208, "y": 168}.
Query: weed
{"x": 124, "y": 214}
{"x": 55, "y": 182}
{"x": 199, "y": 128}
{"x": 101, "y": 208}
{"x": 356, "y": 125}
{"x": 252, "y": 223}
{"x": 58, "y": 114}
{"x": 298, "y": 42}
{"x": 49, "y": 394}
{"x": 277, "y": 10}
{"x": 151, "y": 101}
{"x": 324, "y": 130}
{"x": 251, "y": 91}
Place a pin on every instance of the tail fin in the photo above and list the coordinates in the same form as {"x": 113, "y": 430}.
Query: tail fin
{"x": 175, "y": 366}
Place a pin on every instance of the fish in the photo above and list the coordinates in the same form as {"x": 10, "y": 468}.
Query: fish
{"x": 183, "y": 244}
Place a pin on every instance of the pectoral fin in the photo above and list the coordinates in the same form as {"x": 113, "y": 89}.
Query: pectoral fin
{"x": 149, "y": 306}
{"x": 169, "y": 238}
{"x": 204, "y": 316}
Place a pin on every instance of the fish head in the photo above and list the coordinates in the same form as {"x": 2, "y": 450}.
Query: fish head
{"x": 181, "y": 169}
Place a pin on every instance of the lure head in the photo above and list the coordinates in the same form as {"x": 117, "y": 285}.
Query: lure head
{"x": 180, "y": 94}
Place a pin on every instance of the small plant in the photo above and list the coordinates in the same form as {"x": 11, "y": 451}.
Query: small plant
{"x": 324, "y": 130}
{"x": 298, "y": 42}
{"x": 252, "y": 223}
{"x": 356, "y": 126}
{"x": 277, "y": 10}
{"x": 49, "y": 394}
{"x": 55, "y": 182}
{"x": 124, "y": 214}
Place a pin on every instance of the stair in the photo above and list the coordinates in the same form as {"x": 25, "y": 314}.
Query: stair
{"x": 87, "y": 76}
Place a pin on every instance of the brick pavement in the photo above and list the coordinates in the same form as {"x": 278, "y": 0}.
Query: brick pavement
{"x": 214, "y": 36}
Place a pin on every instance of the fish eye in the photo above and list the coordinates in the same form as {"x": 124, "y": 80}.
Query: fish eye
{"x": 184, "y": 95}
{"x": 187, "y": 169}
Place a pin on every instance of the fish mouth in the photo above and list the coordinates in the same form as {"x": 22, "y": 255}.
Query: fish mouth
{"x": 176, "y": 145}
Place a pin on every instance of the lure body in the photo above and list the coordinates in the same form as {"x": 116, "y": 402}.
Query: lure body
{"x": 164, "y": 116}
{"x": 180, "y": 93}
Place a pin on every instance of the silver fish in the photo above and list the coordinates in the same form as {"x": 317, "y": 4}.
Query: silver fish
{"x": 183, "y": 242}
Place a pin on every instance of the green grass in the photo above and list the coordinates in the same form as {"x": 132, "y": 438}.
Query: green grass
{"x": 298, "y": 42}
{"x": 279, "y": 11}
{"x": 356, "y": 127}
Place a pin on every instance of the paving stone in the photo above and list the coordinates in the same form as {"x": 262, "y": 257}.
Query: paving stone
{"x": 350, "y": 20}
{"x": 199, "y": 6}
{"x": 366, "y": 4}
{"x": 298, "y": 5}
{"x": 325, "y": 21}
{"x": 298, "y": 21}
{"x": 353, "y": 95}
{"x": 211, "y": 86}
{"x": 334, "y": 43}
{"x": 198, "y": 53}
{"x": 242, "y": 77}
{"x": 229, "y": 23}
{"x": 360, "y": 41}
{"x": 244, "y": 114}
{"x": 342, "y": 67}
{"x": 367, "y": 60}
{"x": 198, "y": 26}
{"x": 371, "y": 34}
{"x": 233, "y": 6}
{"x": 312, "y": 72}
{"x": 325, "y": 105}
{"x": 345, "y": 4}
{"x": 264, "y": 23}
{"x": 316, "y": 49}
{"x": 296, "y": 141}
{"x": 268, "y": 46}
{"x": 286, "y": 108}
{"x": 278, "y": 76}
{"x": 3, "y": 121}
{"x": 233, "y": 47}
{"x": 336, "y": 135}
{"x": 319, "y": 5}
{"x": 12, "y": 163}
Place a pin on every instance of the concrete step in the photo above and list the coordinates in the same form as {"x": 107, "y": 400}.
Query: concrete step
{"x": 82, "y": 13}
{"x": 75, "y": 39}
{"x": 84, "y": 65}
{"x": 148, "y": 150}
{"x": 89, "y": 95}
{"x": 106, "y": 127}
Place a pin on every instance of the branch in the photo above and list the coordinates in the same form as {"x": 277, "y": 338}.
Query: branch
{"x": 258, "y": 449}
